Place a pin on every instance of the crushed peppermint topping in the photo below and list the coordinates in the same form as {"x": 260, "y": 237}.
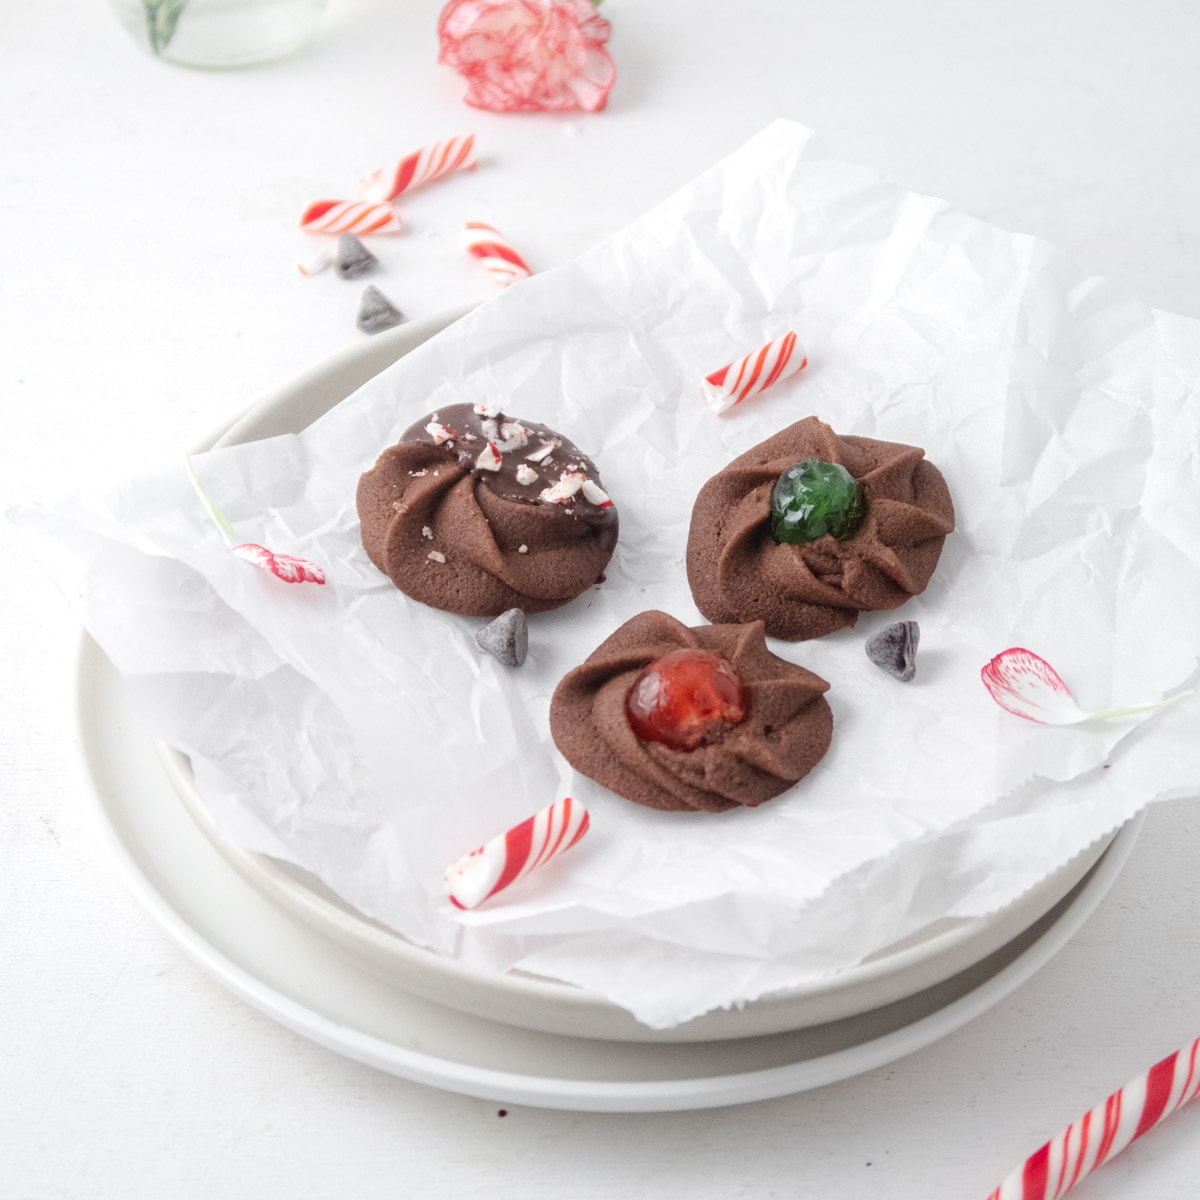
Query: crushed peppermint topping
{"x": 440, "y": 433}
{"x": 514, "y": 435}
{"x": 526, "y": 475}
{"x": 545, "y": 449}
{"x": 487, "y": 410}
{"x": 426, "y": 532}
{"x": 491, "y": 429}
{"x": 436, "y": 556}
{"x": 489, "y": 458}
{"x": 563, "y": 490}
{"x": 522, "y": 549}
{"x": 594, "y": 493}
{"x": 418, "y": 474}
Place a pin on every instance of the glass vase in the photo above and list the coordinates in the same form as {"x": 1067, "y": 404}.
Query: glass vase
{"x": 219, "y": 33}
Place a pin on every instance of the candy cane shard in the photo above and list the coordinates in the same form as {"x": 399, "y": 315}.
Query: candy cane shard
{"x": 564, "y": 489}
{"x": 1026, "y": 685}
{"x": 499, "y": 863}
{"x": 486, "y": 244}
{"x": 738, "y": 381}
{"x": 316, "y": 264}
{"x": 283, "y": 566}
{"x": 431, "y": 162}
{"x": 489, "y": 458}
{"x": 1107, "y": 1129}
{"x": 595, "y": 494}
{"x": 350, "y": 216}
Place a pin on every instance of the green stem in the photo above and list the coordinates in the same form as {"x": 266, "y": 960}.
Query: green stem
{"x": 162, "y": 17}
{"x": 218, "y": 517}
{"x": 1138, "y": 708}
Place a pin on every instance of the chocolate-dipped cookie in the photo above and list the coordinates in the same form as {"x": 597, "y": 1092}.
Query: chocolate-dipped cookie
{"x": 691, "y": 719}
{"x": 476, "y": 512}
{"x": 808, "y": 529}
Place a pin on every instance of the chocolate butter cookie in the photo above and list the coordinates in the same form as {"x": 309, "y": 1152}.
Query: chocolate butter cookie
{"x": 691, "y": 719}
{"x": 808, "y": 529}
{"x": 476, "y": 512}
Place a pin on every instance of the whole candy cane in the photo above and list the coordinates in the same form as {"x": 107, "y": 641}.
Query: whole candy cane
{"x": 1105, "y": 1131}
{"x": 750, "y": 375}
{"x": 487, "y": 245}
{"x": 431, "y": 162}
{"x": 350, "y": 216}
{"x": 502, "y": 861}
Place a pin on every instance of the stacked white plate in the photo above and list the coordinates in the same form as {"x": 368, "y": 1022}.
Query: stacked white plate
{"x": 275, "y": 936}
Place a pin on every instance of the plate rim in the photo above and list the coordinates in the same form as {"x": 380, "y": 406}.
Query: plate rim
{"x": 529, "y": 999}
{"x": 573, "y": 1093}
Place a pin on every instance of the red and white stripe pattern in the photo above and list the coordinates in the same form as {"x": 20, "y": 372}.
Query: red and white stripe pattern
{"x": 489, "y": 246}
{"x": 430, "y": 162}
{"x": 1026, "y": 685}
{"x": 748, "y": 376}
{"x": 283, "y": 566}
{"x": 1105, "y": 1131}
{"x": 350, "y": 216}
{"x": 499, "y": 863}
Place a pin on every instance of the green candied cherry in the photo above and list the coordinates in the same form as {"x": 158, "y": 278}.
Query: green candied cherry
{"x": 815, "y": 498}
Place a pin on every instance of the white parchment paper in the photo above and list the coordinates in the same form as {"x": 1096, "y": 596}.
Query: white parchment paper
{"x": 364, "y": 737}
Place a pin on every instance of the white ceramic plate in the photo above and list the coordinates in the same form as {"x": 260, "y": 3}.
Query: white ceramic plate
{"x": 541, "y": 1004}
{"x": 283, "y": 967}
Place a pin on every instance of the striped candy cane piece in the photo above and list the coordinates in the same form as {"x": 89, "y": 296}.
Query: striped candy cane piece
{"x": 487, "y": 245}
{"x": 287, "y": 567}
{"x": 748, "y": 376}
{"x": 430, "y": 162}
{"x": 350, "y": 216}
{"x": 1105, "y": 1131}
{"x": 501, "y": 862}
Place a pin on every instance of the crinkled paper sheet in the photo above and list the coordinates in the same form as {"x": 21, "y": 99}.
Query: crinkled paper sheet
{"x": 365, "y": 738}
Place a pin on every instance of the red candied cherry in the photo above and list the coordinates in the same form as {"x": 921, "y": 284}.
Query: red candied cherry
{"x": 685, "y": 699}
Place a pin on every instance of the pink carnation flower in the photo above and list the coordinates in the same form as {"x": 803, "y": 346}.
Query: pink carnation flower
{"x": 528, "y": 55}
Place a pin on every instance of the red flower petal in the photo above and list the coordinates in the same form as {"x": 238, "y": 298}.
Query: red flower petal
{"x": 1026, "y": 685}
{"x": 528, "y": 55}
{"x": 282, "y": 566}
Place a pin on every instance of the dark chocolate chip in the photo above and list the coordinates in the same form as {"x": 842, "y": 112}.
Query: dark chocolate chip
{"x": 506, "y": 638}
{"x": 353, "y": 258}
{"x": 894, "y": 649}
{"x": 376, "y": 312}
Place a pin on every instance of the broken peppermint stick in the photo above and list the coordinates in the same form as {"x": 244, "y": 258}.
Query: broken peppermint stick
{"x": 748, "y": 376}
{"x": 1105, "y": 1131}
{"x": 486, "y": 244}
{"x": 499, "y": 863}
{"x": 350, "y": 216}
{"x": 285, "y": 567}
{"x": 431, "y": 162}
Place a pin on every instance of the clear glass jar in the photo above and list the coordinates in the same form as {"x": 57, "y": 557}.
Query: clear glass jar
{"x": 219, "y": 33}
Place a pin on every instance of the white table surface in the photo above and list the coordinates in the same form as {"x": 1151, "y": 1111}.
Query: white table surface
{"x": 148, "y": 292}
